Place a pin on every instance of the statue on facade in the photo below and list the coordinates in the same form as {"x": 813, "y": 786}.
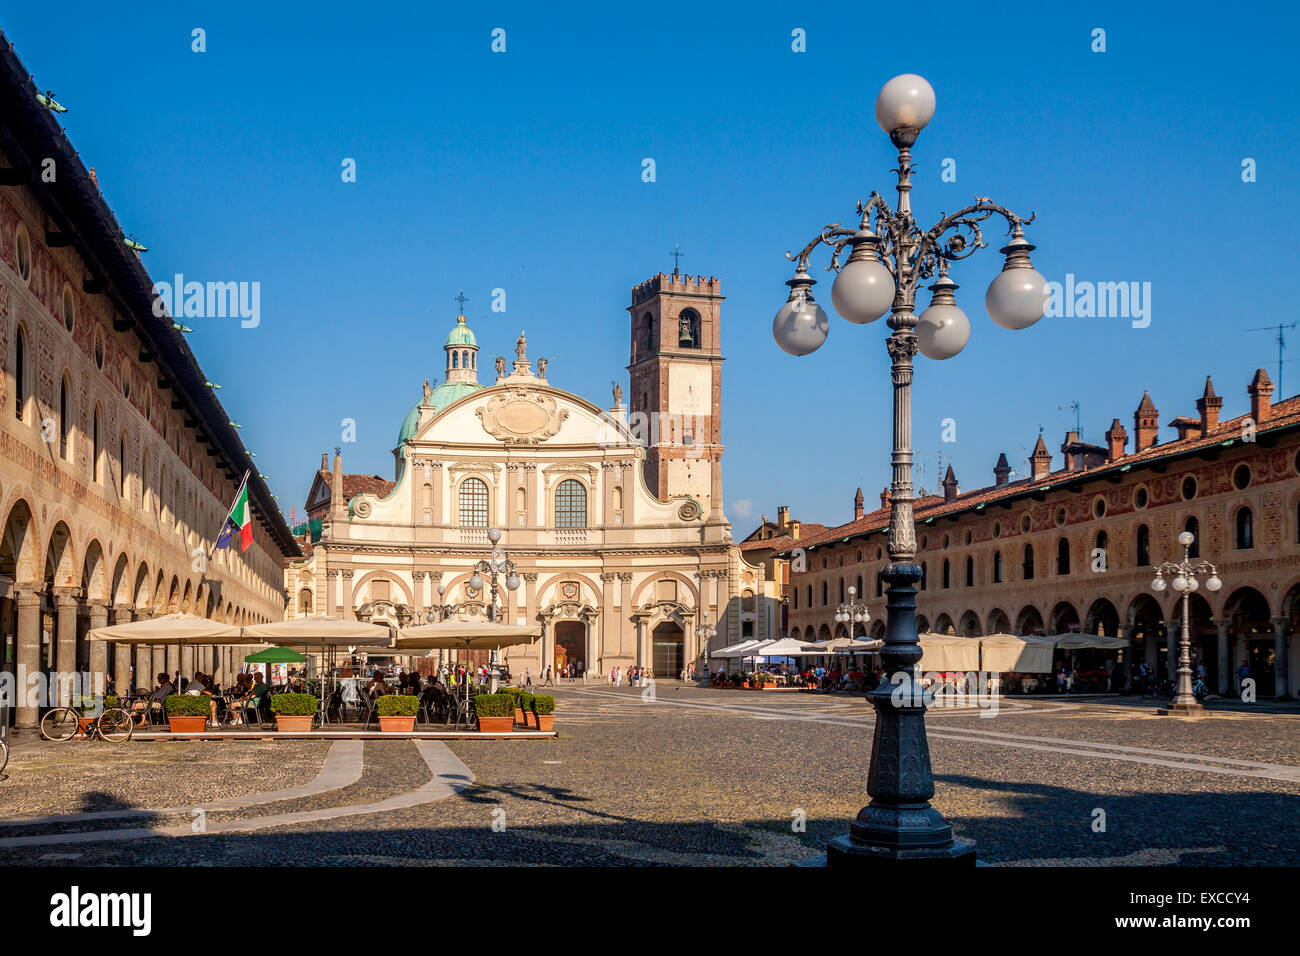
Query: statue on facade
{"x": 428, "y": 391}
{"x": 541, "y": 367}
{"x": 618, "y": 394}
{"x": 521, "y": 346}
{"x": 501, "y": 365}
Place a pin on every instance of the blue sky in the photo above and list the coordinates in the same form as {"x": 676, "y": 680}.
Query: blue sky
{"x": 522, "y": 170}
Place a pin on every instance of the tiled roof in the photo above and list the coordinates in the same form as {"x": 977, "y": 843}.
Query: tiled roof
{"x": 1284, "y": 415}
{"x": 354, "y": 485}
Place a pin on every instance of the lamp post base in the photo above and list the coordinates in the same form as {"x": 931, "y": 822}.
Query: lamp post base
{"x": 1177, "y": 708}
{"x": 901, "y": 836}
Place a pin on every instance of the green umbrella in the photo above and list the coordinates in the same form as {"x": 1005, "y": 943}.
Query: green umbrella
{"x": 276, "y": 655}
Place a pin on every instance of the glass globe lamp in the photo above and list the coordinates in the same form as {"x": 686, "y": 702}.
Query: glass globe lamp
{"x": 864, "y": 289}
{"x": 905, "y": 103}
{"x": 1017, "y": 298}
{"x": 801, "y": 326}
{"x": 943, "y": 329}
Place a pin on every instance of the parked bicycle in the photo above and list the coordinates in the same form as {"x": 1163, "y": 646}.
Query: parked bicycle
{"x": 63, "y": 723}
{"x": 1158, "y": 688}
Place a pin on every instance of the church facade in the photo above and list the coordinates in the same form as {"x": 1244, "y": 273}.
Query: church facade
{"x": 612, "y": 515}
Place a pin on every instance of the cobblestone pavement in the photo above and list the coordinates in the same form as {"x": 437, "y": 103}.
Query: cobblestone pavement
{"x": 695, "y": 776}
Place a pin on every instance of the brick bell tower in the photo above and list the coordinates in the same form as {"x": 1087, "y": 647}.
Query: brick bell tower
{"x": 676, "y": 379}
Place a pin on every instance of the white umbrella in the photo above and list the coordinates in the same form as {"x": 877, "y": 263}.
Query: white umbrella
{"x": 463, "y": 635}
{"x": 320, "y": 632}
{"x": 169, "y": 629}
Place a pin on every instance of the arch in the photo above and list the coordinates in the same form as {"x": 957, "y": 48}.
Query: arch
{"x": 174, "y": 596}
{"x": 18, "y": 546}
{"x": 922, "y": 625}
{"x": 60, "y": 558}
{"x": 1064, "y": 618}
{"x": 823, "y": 633}
{"x": 304, "y": 602}
{"x": 67, "y": 416}
{"x": 970, "y": 571}
{"x": 998, "y": 622}
{"x": 387, "y": 576}
{"x": 94, "y": 575}
{"x": 997, "y": 567}
{"x": 943, "y": 625}
{"x": 120, "y": 593}
{"x": 640, "y": 589}
{"x": 1142, "y": 540}
{"x": 970, "y": 625}
{"x": 187, "y": 598}
{"x": 1102, "y": 618}
{"x": 142, "y": 591}
{"x": 841, "y": 630}
{"x": 1193, "y": 526}
{"x": 878, "y": 630}
{"x": 1063, "y": 556}
{"x": 1027, "y": 566}
{"x": 688, "y": 329}
{"x": 211, "y": 606}
{"x": 1029, "y": 620}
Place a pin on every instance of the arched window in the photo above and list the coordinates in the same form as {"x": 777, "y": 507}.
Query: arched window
{"x": 1245, "y": 529}
{"x": 1192, "y": 527}
{"x": 571, "y": 504}
{"x": 473, "y": 504}
{"x": 946, "y": 573}
{"x": 1063, "y": 556}
{"x": 997, "y": 567}
{"x": 859, "y": 586}
{"x": 304, "y": 601}
{"x": 1143, "y": 546}
{"x": 121, "y": 465}
{"x": 1028, "y": 574}
{"x": 65, "y": 420}
{"x": 925, "y": 575}
{"x": 970, "y": 572}
{"x": 144, "y": 480}
{"x": 618, "y": 497}
{"x": 688, "y": 329}
{"x": 22, "y": 382}
{"x": 825, "y": 594}
{"x": 810, "y": 604}
{"x": 841, "y": 590}
{"x": 455, "y": 360}
{"x": 747, "y": 601}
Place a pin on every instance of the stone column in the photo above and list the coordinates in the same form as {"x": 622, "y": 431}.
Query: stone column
{"x": 186, "y": 663}
{"x": 640, "y": 641}
{"x": 98, "y": 649}
{"x": 27, "y": 654}
{"x": 349, "y": 612}
{"x": 1130, "y": 655}
{"x": 1151, "y": 653}
{"x": 1171, "y": 647}
{"x": 331, "y": 591}
{"x": 530, "y": 612}
{"x": 417, "y": 592}
{"x": 608, "y": 624}
{"x": 532, "y": 499}
{"x": 1224, "y": 659}
{"x": 626, "y": 632}
{"x": 122, "y": 653}
{"x": 1281, "y": 690}
{"x": 65, "y": 658}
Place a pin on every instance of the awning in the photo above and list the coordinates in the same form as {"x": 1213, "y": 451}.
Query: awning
{"x": 1001, "y": 653}
{"x": 842, "y": 645}
{"x": 942, "y": 652}
{"x": 735, "y": 650}
{"x": 1076, "y": 642}
{"x": 785, "y": 647}
{"x": 276, "y": 655}
{"x": 319, "y": 632}
{"x": 463, "y": 635}
{"x": 168, "y": 630}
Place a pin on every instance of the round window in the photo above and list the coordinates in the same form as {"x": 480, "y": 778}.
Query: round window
{"x": 945, "y": 541}
{"x": 69, "y": 309}
{"x": 1189, "y": 488}
{"x": 23, "y": 253}
{"x": 1241, "y": 477}
{"x": 1099, "y": 508}
{"x": 1060, "y": 517}
{"x": 126, "y": 380}
{"x": 1140, "y": 499}
{"x": 997, "y": 529}
{"x": 1025, "y": 524}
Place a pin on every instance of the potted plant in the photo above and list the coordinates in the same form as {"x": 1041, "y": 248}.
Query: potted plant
{"x": 294, "y": 712}
{"x": 187, "y": 713}
{"x": 397, "y": 713}
{"x": 517, "y": 696}
{"x": 526, "y": 702}
{"x": 544, "y": 710}
{"x": 495, "y": 713}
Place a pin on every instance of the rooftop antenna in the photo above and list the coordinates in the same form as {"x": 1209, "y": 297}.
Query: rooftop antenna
{"x": 1281, "y": 331}
{"x": 1074, "y": 407}
{"x": 677, "y": 256}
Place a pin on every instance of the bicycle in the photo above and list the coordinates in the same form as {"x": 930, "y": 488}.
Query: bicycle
{"x": 63, "y": 723}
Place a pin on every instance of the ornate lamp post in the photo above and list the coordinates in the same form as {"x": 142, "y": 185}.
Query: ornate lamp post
{"x": 852, "y": 612}
{"x": 498, "y": 564}
{"x": 705, "y": 632}
{"x": 889, "y": 254}
{"x": 1182, "y": 576}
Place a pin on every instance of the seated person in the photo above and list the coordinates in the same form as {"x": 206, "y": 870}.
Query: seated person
{"x": 160, "y": 694}
{"x": 377, "y": 686}
{"x": 252, "y": 698}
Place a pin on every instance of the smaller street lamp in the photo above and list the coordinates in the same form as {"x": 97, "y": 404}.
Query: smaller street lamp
{"x": 852, "y": 612}
{"x": 1182, "y": 576}
{"x": 499, "y": 565}
{"x": 704, "y": 633}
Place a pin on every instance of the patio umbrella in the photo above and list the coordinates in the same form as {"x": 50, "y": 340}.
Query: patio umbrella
{"x": 277, "y": 655}
{"x": 322, "y": 632}
{"x": 463, "y": 635}
{"x": 944, "y": 652}
{"x": 169, "y": 629}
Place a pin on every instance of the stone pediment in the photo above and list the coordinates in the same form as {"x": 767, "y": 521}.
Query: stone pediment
{"x": 522, "y": 416}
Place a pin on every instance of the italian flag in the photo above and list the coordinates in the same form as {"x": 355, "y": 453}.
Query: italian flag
{"x": 239, "y": 519}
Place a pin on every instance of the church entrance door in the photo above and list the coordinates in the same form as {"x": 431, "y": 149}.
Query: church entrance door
{"x": 570, "y": 640}
{"x": 668, "y": 650}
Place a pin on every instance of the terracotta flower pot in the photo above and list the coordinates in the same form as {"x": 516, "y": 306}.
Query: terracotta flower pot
{"x": 293, "y": 724}
{"x": 519, "y": 716}
{"x": 496, "y": 725}
{"x": 545, "y": 721}
{"x": 397, "y": 725}
{"x": 530, "y": 719}
{"x": 187, "y": 725}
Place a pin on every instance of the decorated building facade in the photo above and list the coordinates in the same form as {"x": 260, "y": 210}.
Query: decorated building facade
{"x": 612, "y": 515}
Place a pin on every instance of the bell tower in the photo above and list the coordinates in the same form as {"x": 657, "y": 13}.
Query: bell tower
{"x": 676, "y": 379}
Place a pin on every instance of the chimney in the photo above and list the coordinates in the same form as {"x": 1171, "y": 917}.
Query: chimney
{"x": 794, "y": 530}
{"x": 1187, "y": 427}
{"x": 1261, "y": 397}
{"x": 1040, "y": 461}
{"x": 1002, "y": 470}
{"x": 885, "y": 497}
{"x": 324, "y": 462}
{"x": 1146, "y": 423}
{"x": 1067, "y": 449}
{"x": 1116, "y": 438}
{"x": 950, "y": 488}
{"x": 782, "y": 518}
{"x": 857, "y": 505}
{"x": 1208, "y": 405}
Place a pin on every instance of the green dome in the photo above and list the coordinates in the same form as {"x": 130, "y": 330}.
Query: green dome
{"x": 411, "y": 423}
{"x": 449, "y": 392}
{"x": 461, "y": 335}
